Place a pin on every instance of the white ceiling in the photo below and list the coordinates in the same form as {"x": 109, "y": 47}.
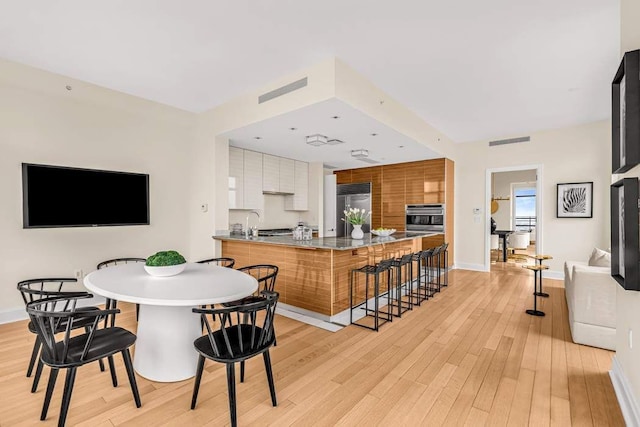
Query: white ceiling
{"x": 352, "y": 127}
{"x": 473, "y": 69}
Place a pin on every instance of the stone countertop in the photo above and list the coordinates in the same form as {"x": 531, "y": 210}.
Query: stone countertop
{"x": 335, "y": 243}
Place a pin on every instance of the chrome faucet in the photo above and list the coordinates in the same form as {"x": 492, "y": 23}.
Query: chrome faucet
{"x": 247, "y": 232}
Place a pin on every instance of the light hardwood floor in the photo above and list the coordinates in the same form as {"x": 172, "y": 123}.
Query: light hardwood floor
{"x": 470, "y": 356}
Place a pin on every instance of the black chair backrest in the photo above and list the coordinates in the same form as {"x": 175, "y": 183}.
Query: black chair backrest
{"x": 222, "y": 262}
{"x": 266, "y": 275}
{"x": 244, "y": 330}
{"x": 118, "y": 261}
{"x": 37, "y": 289}
{"x": 51, "y": 316}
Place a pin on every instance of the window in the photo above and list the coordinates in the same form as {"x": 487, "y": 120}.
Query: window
{"x": 525, "y": 208}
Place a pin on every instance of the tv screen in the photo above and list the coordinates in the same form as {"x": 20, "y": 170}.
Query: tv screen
{"x": 55, "y": 196}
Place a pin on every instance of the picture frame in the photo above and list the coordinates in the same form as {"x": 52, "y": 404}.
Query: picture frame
{"x": 625, "y": 237}
{"x": 574, "y": 200}
{"x": 625, "y": 114}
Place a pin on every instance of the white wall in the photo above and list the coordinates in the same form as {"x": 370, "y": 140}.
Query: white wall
{"x": 576, "y": 154}
{"x": 89, "y": 127}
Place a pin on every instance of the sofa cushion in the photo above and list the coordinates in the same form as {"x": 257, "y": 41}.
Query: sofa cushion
{"x": 600, "y": 258}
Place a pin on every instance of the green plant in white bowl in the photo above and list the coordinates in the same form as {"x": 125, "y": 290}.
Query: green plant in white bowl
{"x": 165, "y": 263}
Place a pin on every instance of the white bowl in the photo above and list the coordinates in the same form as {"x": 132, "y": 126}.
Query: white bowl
{"x": 166, "y": 271}
{"x": 383, "y": 233}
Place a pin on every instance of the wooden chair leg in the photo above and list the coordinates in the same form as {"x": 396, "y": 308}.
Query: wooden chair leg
{"x": 34, "y": 355}
{"x": 126, "y": 355}
{"x": 112, "y": 368}
{"x": 272, "y": 387}
{"x": 53, "y": 375}
{"x": 231, "y": 385}
{"x": 196, "y": 384}
{"x": 66, "y": 396}
{"x": 36, "y": 378}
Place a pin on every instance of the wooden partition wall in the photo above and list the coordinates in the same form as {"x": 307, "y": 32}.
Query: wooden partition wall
{"x": 397, "y": 185}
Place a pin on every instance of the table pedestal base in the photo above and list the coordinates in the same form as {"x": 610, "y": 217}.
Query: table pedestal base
{"x": 164, "y": 349}
{"x": 535, "y": 312}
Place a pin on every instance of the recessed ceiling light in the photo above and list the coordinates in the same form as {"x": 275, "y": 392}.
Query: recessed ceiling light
{"x": 68, "y": 87}
{"x": 293, "y": 128}
{"x": 400, "y": 146}
{"x": 335, "y": 117}
{"x": 257, "y": 137}
{"x": 374, "y": 134}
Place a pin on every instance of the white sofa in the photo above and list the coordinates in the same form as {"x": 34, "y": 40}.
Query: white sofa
{"x": 591, "y": 299}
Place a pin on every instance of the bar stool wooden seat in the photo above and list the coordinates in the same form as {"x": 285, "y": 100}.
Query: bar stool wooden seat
{"x": 536, "y": 269}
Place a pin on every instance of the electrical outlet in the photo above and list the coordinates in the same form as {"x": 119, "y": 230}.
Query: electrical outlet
{"x": 630, "y": 339}
{"x": 204, "y": 207}
{"x": 78, "y": 274}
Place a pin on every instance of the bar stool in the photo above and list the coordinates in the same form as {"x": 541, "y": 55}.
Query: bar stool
{"x": 445, "y": 266}
{"x": 433, "y": 264}
{"x": 536, "y": 269}
{"x": 402, "y": 266}
{"x": 379, "y": 317}
{"x": 539, "y": 259}
{"x": 422, "y": 290}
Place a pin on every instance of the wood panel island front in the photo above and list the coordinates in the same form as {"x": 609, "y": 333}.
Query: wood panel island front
{"x": 314, "y": 274}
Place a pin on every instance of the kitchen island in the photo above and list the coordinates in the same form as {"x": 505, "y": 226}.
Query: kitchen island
{"x": 314, "y": 274}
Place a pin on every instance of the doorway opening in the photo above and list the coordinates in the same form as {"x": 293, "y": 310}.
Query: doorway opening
{"x": 513, "y": 207}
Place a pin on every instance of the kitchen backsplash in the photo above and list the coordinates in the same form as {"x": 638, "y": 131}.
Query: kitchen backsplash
{"x": 273, "y": 216}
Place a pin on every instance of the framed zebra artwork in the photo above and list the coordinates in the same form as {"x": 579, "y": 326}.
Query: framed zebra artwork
{"x": 575, "y": 200}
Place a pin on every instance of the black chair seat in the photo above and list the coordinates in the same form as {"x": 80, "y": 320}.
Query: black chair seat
{"x": 241, "y": 349}
{"x": 105, "y": 342}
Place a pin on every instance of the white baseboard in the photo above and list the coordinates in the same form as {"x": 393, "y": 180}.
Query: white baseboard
{"x": 626, "y": 399}
{"x": 474, "y": 267}
{"x": 17, "y": 314}
{"x": 553, "y": 274}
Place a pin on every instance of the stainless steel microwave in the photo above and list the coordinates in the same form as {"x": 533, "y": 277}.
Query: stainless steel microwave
{"x": 429, "y": 217}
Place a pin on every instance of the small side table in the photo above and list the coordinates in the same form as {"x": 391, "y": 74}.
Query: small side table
{"x": 536, "y": 269}
{"x": 539, "y": 259}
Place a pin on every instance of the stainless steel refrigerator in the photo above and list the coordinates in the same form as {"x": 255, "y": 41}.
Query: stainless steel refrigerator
{"x": 352, "y": 196}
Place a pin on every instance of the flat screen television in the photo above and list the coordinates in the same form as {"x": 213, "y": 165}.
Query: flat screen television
{"x": 56, "y": 196}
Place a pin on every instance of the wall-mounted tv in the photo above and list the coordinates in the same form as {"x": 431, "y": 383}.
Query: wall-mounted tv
{"x": 56, "y": 196}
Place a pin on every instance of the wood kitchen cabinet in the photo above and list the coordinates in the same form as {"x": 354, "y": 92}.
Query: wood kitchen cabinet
{"x": 395, "y": 186}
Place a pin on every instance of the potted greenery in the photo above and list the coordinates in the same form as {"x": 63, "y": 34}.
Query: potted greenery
{"x": 165, "y": 263}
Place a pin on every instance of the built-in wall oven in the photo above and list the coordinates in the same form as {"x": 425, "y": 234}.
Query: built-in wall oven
{"x": 425, "y": 217}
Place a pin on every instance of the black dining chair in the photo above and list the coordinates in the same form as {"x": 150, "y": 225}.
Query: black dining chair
{"x": 35, "y": 290}
{"x": 221, "y": 262}
{"x": 54, "y": 319}
{"x": 245, "y": 331}
{"x": 266, "y": 275}
{"x": 111, "y": 303}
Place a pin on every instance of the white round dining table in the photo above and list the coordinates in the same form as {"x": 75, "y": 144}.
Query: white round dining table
{"x": 167, "y": 327}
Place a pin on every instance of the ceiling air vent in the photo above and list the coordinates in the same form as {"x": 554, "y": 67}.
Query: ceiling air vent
{"x": 298, "y": 84}
{"x": 509, "y": 141}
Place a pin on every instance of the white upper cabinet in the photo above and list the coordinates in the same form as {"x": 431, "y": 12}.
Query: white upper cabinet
{"x": 287, "y": 175}
{"x": 253, "y": 198}
{"x": 277, "y": 174}
{"x": 270, "y": 173}
{"x": 236, "y": 178}
{"x": 299, "y": 201}
{"x": 251, "y": 174}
